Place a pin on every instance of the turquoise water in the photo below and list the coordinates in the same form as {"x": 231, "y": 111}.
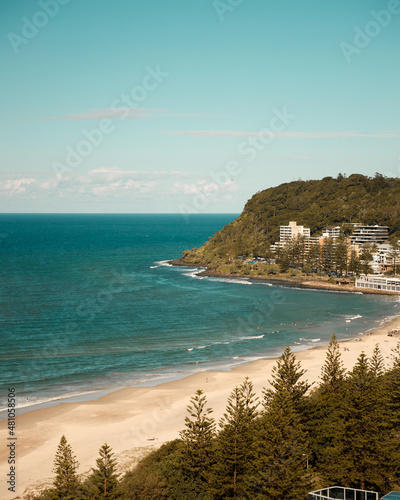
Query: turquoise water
{"x": 88, "y": 302}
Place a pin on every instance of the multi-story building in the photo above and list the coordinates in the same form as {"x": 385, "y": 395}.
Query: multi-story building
{"x": 381, "y": 261}
{"x": 287, "y": 233}
{"x": 331, "y": 232}
{"x": 370, "y": 234}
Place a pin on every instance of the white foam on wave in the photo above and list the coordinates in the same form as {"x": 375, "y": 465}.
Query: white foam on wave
{"x": 349, "y": 319}
{"x": 164, "y": 263}
{"x": 231, "y": 280}
{"x": 252, "y": 337}
{"x": 216, "y": 343}
{"x": 190, "y": 349}
{"x": 201, "y": 347}
{"x": 315, "y": 340}
{"x": 154, "y": 267}
{"x": 192, "y": 273}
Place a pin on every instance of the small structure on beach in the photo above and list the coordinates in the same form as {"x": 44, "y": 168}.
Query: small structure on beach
{"x": 342, "y": 281}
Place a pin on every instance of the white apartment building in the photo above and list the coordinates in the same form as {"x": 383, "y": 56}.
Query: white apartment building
{"x": 331, "y": 232}
{"x": 286, "y": 233}
{"x": 370, "y": 234}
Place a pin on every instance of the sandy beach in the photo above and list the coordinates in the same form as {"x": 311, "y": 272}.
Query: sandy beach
{"x": 136, "y": 420}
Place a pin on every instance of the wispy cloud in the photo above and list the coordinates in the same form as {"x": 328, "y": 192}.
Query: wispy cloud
{"x": 120, "y": 112}
{"x": 97, "y": 114}
{"x": 13, "y": 187}
{"x": 286, "y": 134}
{"x": 110, "y": 174}
{"x": 111, "y": 181}
{"x": 205, "y": 187}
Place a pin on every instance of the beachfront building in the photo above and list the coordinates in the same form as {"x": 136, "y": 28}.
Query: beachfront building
{"x": 287, "y": 233}
{"x": 378, "y": 283}
{"x": 344, "y": 493}
{"x": 336, "y": 492}
{"x": 370, "y": 234}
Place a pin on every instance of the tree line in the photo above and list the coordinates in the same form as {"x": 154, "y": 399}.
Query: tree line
{"x": 334, "y": 256}
{"x": 294, "y": 438}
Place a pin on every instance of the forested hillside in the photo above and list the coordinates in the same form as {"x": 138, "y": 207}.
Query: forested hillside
{"x": 315, "y": 204}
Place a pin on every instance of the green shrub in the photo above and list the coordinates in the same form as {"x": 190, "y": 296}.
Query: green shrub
{"x": 272, "y": 269}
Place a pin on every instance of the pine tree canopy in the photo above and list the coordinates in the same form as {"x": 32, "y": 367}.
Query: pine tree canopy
{"x": 286, "y": 376}
{"x": 104, "y": 476}
{"x": 65, "y": 467}
{"x": 333, "y": 372}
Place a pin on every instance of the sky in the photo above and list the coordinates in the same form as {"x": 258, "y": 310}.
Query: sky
{"x": 154, "y": 106}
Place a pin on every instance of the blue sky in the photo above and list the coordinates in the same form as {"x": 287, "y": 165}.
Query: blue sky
{"x": 191, "y": 106}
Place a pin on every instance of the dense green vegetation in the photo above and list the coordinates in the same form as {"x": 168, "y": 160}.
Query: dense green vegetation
{"x": 314, "y": 204}
{"x": 293, "y": 439}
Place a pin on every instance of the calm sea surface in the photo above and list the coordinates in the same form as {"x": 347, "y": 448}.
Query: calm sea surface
{"x": 88, "y": 302}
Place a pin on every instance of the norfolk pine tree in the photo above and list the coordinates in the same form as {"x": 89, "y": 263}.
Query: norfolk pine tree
{"x": 392, "y": 378}
{"x": 235, "y": 444}
{"x": 366, "y": 441}
{"x": 65, "y": 465}
{"x": 326, "y": 424}
{"x": 377, "y": 363}
{"x": 279, "y": 470}
{"x": 104, "y": 478}
{"x": 393, "y": 384}
{"x": 341, "y": 256}
{"x": 197, "y": 455}
{"x": 286, "y": 374}
{"x": 332, "y": 372}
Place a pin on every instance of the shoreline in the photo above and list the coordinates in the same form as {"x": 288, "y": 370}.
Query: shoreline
{"x": 135, "y": 420}
{"x": 307, "y": 282}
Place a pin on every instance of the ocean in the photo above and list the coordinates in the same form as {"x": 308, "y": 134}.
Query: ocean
{"x": 89, "y": 303}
